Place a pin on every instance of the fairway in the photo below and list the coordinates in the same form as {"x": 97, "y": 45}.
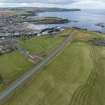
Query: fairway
{"x": 76, "y": 77}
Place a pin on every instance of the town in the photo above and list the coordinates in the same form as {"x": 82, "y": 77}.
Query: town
{"x": 19, "y": 26}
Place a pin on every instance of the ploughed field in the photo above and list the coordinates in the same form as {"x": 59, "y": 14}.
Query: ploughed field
{"x": 76, "y": 77}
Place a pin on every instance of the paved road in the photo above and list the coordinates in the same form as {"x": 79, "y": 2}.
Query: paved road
{"x": 20, "y": 81}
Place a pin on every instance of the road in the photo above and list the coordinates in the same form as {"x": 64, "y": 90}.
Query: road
{"x": 20, "y": 81}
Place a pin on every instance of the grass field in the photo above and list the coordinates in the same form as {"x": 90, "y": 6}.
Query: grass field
{"x": 42, "y": 45}
{"x": 11, "y": 66}
{"x": 76, "y": 77}
{"x": 14, "y": 64}
{"x": 92, "y": 92}
{"x": 57, "y": 82}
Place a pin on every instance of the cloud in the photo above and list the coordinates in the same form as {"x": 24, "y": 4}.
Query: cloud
{"x": 36, "y": 1}
{"x": 88, "y": 4}
{"x": 82, "y": 4}
{"x": 60, "y": 1}
{"x": 30, "y": 5}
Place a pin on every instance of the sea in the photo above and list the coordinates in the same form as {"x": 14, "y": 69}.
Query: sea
{"x": 92, "y": 20}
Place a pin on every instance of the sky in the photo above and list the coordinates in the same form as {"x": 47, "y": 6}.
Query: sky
{"x": 82, "y": 4}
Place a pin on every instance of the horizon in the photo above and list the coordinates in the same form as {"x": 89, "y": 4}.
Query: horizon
{"x": 69, "y": 4}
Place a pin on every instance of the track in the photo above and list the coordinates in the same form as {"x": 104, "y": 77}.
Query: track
{"x": 25, "y": 77}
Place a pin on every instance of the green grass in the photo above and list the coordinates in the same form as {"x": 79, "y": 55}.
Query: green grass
{"x": 76, "y": 77}
{"x": 57, "y": 82}
{"x": 41, "y": 44}
{"x": 12, "y": 65}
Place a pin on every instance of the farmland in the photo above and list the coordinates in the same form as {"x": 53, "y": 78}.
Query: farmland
{"x": 76, "y": 77}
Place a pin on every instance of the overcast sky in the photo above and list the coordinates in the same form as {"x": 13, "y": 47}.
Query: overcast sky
{"x": 84, "y": 4}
